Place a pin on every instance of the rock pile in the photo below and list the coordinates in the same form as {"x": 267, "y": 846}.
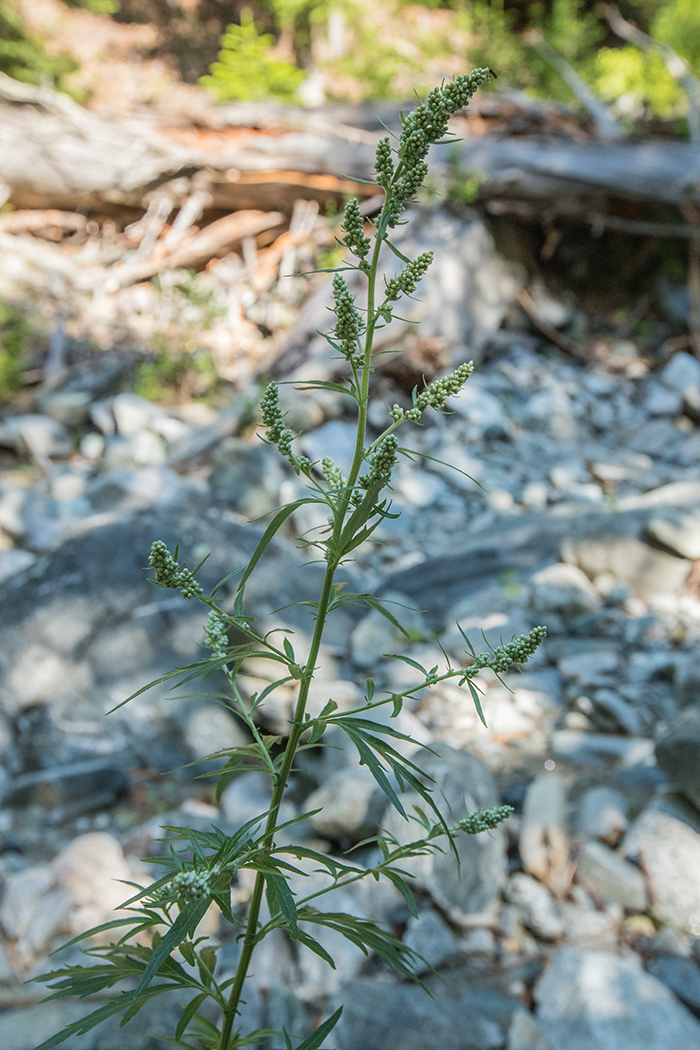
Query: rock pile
{"x": 575, "y": 503}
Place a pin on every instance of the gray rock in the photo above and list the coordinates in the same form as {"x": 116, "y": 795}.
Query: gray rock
{"x": 15, "y": 561}
{"x": 590, "y": 667}
{"x": 665, "y": 841}
{"x": 124, "y": 489}
{"x": 248, "y": 476}
{"x": 526, "y": 1033}
{"x": 351, "y": 805}
{"x": 482, "y": 410}
{"x": 36, "y": 435}
{"x": 613, "y": 546}
{"x": 616, "y": 712}
{"x": 678, "y": 531}
{"x": 335, "y": 439}
{"x": 382, "y": 1015}
{"x": 687, "y": 677}
{"x": 678, "y": 752}
{"x": 77, "y": 788}
{"x": 564, "y": 590}
{"x": 543, "y": 840}
{"x": 600, "y": 1001}
{"x": 246, "y": 797}
{"x": 602, "y": 814}
{"x": 681, "y": 975}
{"x": 25, "y": 1029}
{"x": 143, "y": 449}
{"x": 430, "y": 937}
{"x": 538, "y": 909}
{"x": 602, "y": 748}
{"x": 69, "y": 407}
{"x": 462, "y": 784}
{"x": 611, "y": 878}
{"x": 375, "y": 636}
{"x": 133, "y": 414}
{"x": 682, "y": 375}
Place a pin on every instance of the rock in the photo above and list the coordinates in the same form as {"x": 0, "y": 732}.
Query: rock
{"x": 590, "y": 667}
{"x": 335, "y": 439}
{"x": 587, "y": 926}
{"x": 687, "y": 678}
{"x": 91, "y": 871}
{"x": 143, "y": 449}
{"x": 617, "y": 712}
{"x": 430, "y": 937}
{"x": 69, "y": 407}
{"x": 611, "y": 878}
{"x": 351, "y": 805}
{"x": 525, "y": 1033}
{"x": 207, "y": 728}
{"x": 681, "y": 975}
{"x": 613, "y": 546}
{"x": 564, "y": 590}
{"x": 665, "y": 842}
{"x": 133, "y": 414}
{"x": 79, "y": 787}
{"x": 381, "y": 1015}
{"x": 591, "y": 748}
{"x": 15, "y": 561}
{"x": 682, "y": 375}
{"x": 123, "y": 489}
{"x": 678, "y": 753}
{"x": 34, "y": 911}
{"x": 543, "y": 841}
{"x": 462, "y": 784}
{"x": 36, "y": 435}
{"x": 482, "y": 410}
{"x": 602, "y": 814}
{"x": 248, "y": 477}
{"x": 18, "y": 1032}
{"x": 538, "y": 910}
{"x": 600, "y": 1001}
{"x": 677, "y": 531}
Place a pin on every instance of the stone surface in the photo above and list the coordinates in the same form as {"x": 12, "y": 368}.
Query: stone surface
{"x": 380, "y": 1015}
{"x": 665, "y": 841}
{"x": 602, "y": 814}
{"x": 681, "y": 975}
{"x": 678, "y": 752}
{"x": 564, "y": 590}
{"x": 543, "y": 839}
{"x": 600, "y": 1001}
{"x": 430, "y": 937}
{"x": 611, "y": 878}
{"x": 351, "y": 805}
{"x": 248, "y": 476}
{"x": 538, "y": 910}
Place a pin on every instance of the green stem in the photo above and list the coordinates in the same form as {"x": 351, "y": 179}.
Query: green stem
{"x": 251, "y": 932}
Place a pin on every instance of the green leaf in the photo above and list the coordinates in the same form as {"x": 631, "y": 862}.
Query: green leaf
{"x": 280, "y": 898}
{"x": 404, "y": 889}
{"x": 314, "y": 1041}
{"x": 313, "y": 945}
{"x": 184, "y": 926}
{"x": 276, "y": 523}
{"x": 187, "y": 1014}
{"x": 477, "y": 702}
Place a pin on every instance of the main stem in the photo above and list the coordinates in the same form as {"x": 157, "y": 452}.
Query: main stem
{"x": 280, "y": 781}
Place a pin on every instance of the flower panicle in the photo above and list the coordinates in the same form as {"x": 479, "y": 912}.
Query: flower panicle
{"x": 168, "y": 573}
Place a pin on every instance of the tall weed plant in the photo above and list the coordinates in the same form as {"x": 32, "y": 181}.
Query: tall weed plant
{"x": 157, "y": 946}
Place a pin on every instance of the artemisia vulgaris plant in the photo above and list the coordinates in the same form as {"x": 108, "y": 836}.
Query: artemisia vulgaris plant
{"x": 157, "y": 948}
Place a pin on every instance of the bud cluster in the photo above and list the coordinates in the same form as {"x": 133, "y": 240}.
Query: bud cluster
{"x": 484, "y": 820}
{"x": 382, "y": 461}
{"x": 406, "y": 281}
{"x": 332, "y": 475}
{"x": 276, "y": 431}
{"x": 191, "y": 885}
{"x": 383, "y": 163}
{"x": 348, "y": 325}
{"x": 516, "y": 652}
{"x": 354, "y": 227}
{"x": 169, "y": 574}
{"x": 435, "y": 395}
{"x": 215, "y": 634}
{"x": 421, "y": 128}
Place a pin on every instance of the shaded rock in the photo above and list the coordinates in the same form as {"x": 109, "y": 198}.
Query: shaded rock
{"x": 526, "y": 1033}
{"x": 381, "y": 1015}
{"x": 616, "y": 713}
{"x": 430, "y": 937}
{"x": 682, "y": 375}
{"x": 538, "y": 910}
{"x": 677, "y": 531}
{"x": 13, "y": 562}
{"x": 564, "y": 590}
{"x": 593, "y": 748}
{"x": 69, "y": 407}
{"x": 599, "y": 1001}
{"x": 34, "y": 911}
{"x": 543, "y": 841}
{"x": 17, "y": 1032}
{"x": 247, "y": 476}
{"x": 76, "y": 788}
{"x": 351, "y": 805}
{"x": 611, "y": 878}
{"x": 678, "y": 753}
{"x": 133, "y": 414}
{"x": 613, "y": 546}
{"x": 665, "y": 841}
{"x": 375, "y": 636}
{"x": 681, "y": 975}
{"x": 36, "y": 435}
{"x": 602, "y": 814}
{"x": 462, "y": 784}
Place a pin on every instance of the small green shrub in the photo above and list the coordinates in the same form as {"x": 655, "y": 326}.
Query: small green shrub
{"x": 247, "y": 71}
{"x": 15, "y": 334}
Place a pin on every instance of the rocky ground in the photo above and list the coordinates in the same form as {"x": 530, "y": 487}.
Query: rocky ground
{"x": 575, "y": 502}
